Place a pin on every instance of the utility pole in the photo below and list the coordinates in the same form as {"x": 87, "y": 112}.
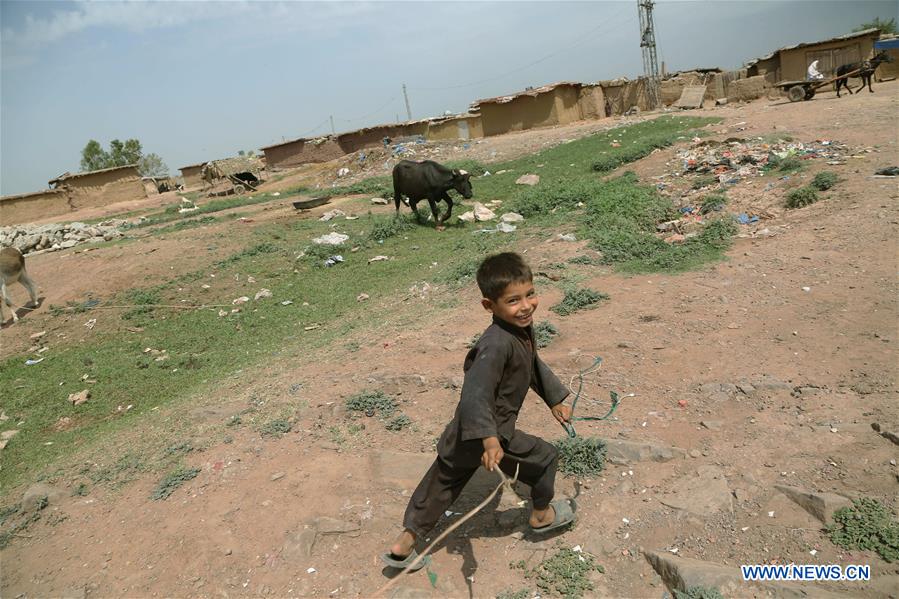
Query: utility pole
{"x": 650, "y": 58}
{"x": 406, "y": 96}
{"x": 332, "y": 125}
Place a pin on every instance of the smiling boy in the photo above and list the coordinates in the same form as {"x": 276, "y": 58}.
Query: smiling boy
{"x": 499, "y": 370}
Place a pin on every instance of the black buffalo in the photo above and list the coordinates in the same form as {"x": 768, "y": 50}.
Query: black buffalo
{"x": 428, "y": 180}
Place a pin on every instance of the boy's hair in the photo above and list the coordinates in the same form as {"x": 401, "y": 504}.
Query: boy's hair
{"x": 501, "y": 270}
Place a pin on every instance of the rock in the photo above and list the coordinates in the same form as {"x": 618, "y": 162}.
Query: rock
{"x": 38, "y": 491}
{"x": 598, "y": 545}
{"x": 746, "y": 389}
{"x": 570, "y": 237}
{"x": 277, "y": 476}
{"x": 527, "y": 180}
{"x": 768, "y": 383}
{"x": 820, "y": 505}
{"x": 712, "y": 425}
{"x": 703, "y": 494}
{"x": 298, "y": 544}
{"x": 38, "y": 335}
{"x": 379, "y": 201}
{"x": 619, "y": 451}
{"x": 483, "y": 213}
{"x": 330, "y": 526}
{"x": 79, "y": 398}
{"x": 467, "y": 217}
{"x": 511, "y": 217}
{"x": 262, "y": 293}
{"x": 695, "y": 453}
{"x": 6, "y": 436}
{"x": 332, "y": 214}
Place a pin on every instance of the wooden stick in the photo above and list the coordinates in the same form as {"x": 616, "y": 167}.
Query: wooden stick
{"x": 457, "y": 524}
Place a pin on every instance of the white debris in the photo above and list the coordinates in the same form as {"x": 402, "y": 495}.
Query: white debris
{"x": 467, "y": 217}
{"x": 378, "y": 259}
{"x": 379, "y": 201}
{"x": 343, "y": 172}
{"x": 505, "y": 228}
{"x": 262, "y": 293}
{"x": 482, "y": 212}
{"x": 331, "y": 214}
{"x": 331, "y": 239}
{"x": 240, "y": 300}
{"x": 566, "y": 237}
{"x": 527, "y": 180}
{"x": 511, "y": 217}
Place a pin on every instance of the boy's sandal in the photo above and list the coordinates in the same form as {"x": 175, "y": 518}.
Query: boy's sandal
{"x": 564, "y": 515}
{"x": 401, "y": 564}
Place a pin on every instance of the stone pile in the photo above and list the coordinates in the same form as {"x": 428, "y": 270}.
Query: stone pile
{"x": 30, "y": 239}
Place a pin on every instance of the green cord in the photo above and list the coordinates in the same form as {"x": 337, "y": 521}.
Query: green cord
{"x": 568, "y": 426}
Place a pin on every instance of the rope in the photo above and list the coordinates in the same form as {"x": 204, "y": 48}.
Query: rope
{"x": 616, "y": 399}
{"x": 503, "y": 481}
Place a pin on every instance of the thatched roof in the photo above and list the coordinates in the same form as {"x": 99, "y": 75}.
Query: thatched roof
{"x": 238, "y": 164}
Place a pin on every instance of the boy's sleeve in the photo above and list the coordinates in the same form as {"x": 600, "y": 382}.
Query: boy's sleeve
{"x": 483, "y": 372}
{"x": 547, "y": 385}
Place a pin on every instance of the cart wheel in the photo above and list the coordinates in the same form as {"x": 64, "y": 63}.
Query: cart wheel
{"x": 810, "y": 94}
{"x": 239, "y": 189}
{"x": 796, "y": 93}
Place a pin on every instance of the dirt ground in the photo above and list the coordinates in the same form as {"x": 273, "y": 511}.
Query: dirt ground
{"x": 766, "y": 369}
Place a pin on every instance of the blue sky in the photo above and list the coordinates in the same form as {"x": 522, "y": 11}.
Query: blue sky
{"x": 200, "y": 80}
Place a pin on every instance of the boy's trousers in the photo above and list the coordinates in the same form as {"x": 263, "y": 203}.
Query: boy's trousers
{"x": 448, "y": 475}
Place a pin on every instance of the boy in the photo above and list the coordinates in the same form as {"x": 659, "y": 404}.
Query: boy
{"x": 499, "y": 370}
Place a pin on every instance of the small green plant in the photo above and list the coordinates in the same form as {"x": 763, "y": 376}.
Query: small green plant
{"x": 567, "y": 573}
{"x": 825, "y": 180}
{"x": 868, "y": 526}
{"x": 473, "y": 341}
{"x": 398, "y": 423}
{"x": 234, "y": 420}
{"x": 9, "y": 511}
{"x": 783, "y": 165}
{"x": 578, "y": 299}
{"x": 81, "y": 490}
{"x": 316, "y": 254}
{"x": 632, "y": 151}
{"x": 372, "y": 402}
{"x": 582, "y": 259}
{"x": 718, "y": 233}
{"x": 144, "y": 300}
{"x": 698, "y": 593}
{"x": 275, "y": 428}
{"x": 714, "y": 202}
{"x": 705, "y": 181}
{"x": 519, "y": 594}
{"x": 581, "y": 456}
{"x": 802, "y": 196}
{"x": 181, "y": 448}
{"x": 389, "y": 226}
{"x": 172, "y": 481}
{"x": 544, "y": 333}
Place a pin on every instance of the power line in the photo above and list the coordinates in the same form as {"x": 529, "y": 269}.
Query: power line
{"x": 579, "y": 40}
{"x": 372, "y": 113}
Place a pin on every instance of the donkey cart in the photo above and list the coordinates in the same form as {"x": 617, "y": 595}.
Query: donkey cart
{"x": 805, "y": 90}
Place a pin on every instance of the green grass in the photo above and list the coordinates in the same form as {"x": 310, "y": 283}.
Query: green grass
{"x": 705, "y": 181}
{"x": 371, "y": 403}
{"x": 172, "y": 481}
{"x": 275, "y": 428}
{"x": 782, "y": 166}
{"x": 825, "y": 180}
{"x": 714, "y": 202}
{"x": 581, "y": 456}
{"x": 698, "y": 593}
{"x": 801, "y": 197}
{"x": 170, "y": 213}
{"x": 544, "y": 333}
{"x": 867, "y": 525}
{"x": 398, "y": 423}
{"x": 578, "y": 299}
{"x": 566, "y": 573}
{"x": 217, "y": 347}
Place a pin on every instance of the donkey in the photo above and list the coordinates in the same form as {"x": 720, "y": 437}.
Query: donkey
{"x": 867, "y": 71}
{"x": 12, "y": 269}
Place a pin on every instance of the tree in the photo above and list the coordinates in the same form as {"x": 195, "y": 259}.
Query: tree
{"x": 93, "y": 157}
{"x": 151, "y": 165}
{"x": 887, "y": 27}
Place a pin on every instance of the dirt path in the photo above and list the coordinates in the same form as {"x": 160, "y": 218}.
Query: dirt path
{"x": 787, "y": 382}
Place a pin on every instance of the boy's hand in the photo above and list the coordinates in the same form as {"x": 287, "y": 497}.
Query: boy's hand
{"x": 562, "y": 413}
{"x": 493, "y": 453}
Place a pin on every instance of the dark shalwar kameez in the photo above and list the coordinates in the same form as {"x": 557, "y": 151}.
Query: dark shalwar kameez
{"x": 499, "y": 370}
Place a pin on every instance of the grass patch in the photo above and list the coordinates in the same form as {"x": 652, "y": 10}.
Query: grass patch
{"x": 868, "y": 526}
{"x": 705, "y": 181}
{"x": 567, "y": 573}
{"x": 275, "y": 428}
{"x": 170, "y": 213}
{"x": 634, "y": 150}
{"x": 371, "y": 403}
{"x": 390, "y": 226}
{"x": 376, "y": 186}
{"x": 582, "y": 259}
{"x": 398, "y": 423}
{"x": 581, "y": 456}
{"x": 714, "y": 202}
{"x": 25, "y": 519}
{"x": 544, "y": 333}
{"x": 172, "y": 481}
{"x": 698, "y": 593}
{"x": 144, "y": 301}
{"x": 825, "y": 180}
{"x": 578, "y": 299}
{"x": 519, "y": 594}
{"x": 778, "y": 165}
{"x": 803, "y": 196}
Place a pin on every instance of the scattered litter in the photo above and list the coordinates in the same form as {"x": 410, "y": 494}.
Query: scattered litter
{"x": 745, "y": 528}
{"x": 32, "y": 362}
{"x": 79, "y": 398}
{"x": 511, "y": 217}
{"x": 205, "y": 286}
{"x": 331, "y": 239}
{"x": 813, "y": 552}
{"x": 223, "y": 312}
{"x": 262, "y": 293}
{"x": 312, "y": 570}
{"x": 745, "y": 219}
{"x": 682, "y": 403}
{"x": 343, "y": 172}
{"x": 90, "y": 323}
{"x": 331, "y": 214}
{"x": 311, "y": 327}
{"x": 250, "y": 279}
{"x": 240, "y": 300}
{"x": 332, "y": 260}
{"x": 806, "y": 289}
{"x": 566, "y": 237}
{"x": 378, "y": 259}
{"x": 286, "y": 303}
{"x": 38, "y": 335}
{"x": 504, "y": 227}
{"x": 770, "y": 514}
{"x": 486, "y": 174}
{"x": 379, "y": 201}
{"x": 276, "y": 194}
{"x": 362, "y": 297}
{"x": 890, "y": 171}
{"x": 527, "y": 180}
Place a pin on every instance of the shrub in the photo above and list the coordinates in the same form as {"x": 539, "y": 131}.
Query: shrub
{"x": 371, "y": 402}
{"x": 825, "y": 180}
{"x": 698, "y": 593}
{"x": 803, "y": 196}
{"x": 566, "y": 573}
{"x": 714, "y": 202}
{"x": 581, "y": 456}
{"x": 578, "y": 299}
{"x": 275, "y": 428}
{"x": 868, "y": 526}
{"x": 544, "y": 332}
{"x": 398, "y": 423}
{"x": 172, "y": 481}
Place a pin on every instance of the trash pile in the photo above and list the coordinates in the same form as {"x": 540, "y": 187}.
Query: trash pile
{"x": 30, "y": 239}
{"x": 734, "y": 159}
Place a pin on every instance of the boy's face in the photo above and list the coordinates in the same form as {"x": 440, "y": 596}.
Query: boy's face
{"x": 516, "y": 305}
